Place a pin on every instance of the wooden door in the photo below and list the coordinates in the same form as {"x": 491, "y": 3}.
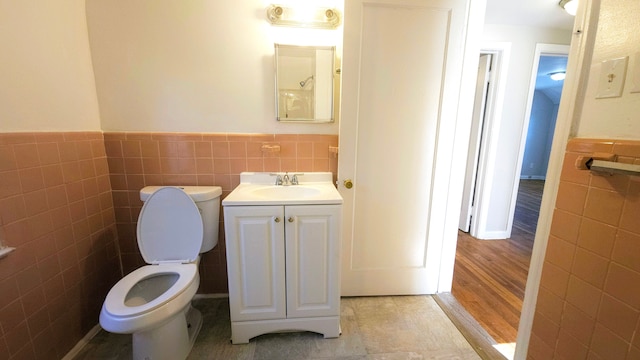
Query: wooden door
{"x": 475, "y": 141}
{"x": 401, "y": 76}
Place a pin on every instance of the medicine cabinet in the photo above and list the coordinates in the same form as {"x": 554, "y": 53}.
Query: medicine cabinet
{"x": 304, "y": 83}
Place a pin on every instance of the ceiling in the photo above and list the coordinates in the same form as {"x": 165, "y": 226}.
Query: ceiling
{"x": 535, "y": 13}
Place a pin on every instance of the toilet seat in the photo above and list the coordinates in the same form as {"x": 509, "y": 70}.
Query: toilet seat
{"x": 115, "y": 305}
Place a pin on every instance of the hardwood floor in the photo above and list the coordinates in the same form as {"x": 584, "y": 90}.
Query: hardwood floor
{"x": 490, "y": 275}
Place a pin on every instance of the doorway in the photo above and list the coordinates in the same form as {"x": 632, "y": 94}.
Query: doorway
{"x": 490, "y": 275}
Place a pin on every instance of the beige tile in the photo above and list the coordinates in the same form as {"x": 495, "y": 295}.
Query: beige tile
{"x": 84, "y": 150}
{"x": 627, "y": 148}
{"x": 583, "y": 296}
{"x": 569, "y": 171}
{"x": 608, "y": 345}
{"x": 221, "y": 149}
{"x": 550, "y": 305}
{"x": 618, "y": 183}
{"x": 570, "y": 348}
{"x": 202, "y": 149}
{"x": 597, "y": 237}
{"x": 631, "y": 212}
{"x": 560, "y": 253}
{"x": 68, "y": 151}
{"x": 622, "y": 284}
{"x": 133, "y": 166}
{"x": 626, "y": 250}
{"x": 589, "y": 145}
{"x": 590, "y": 267}
{"x": 304, "y": 150}
{"x": 545, "y": 329}
{"x": 571, "y": 197}
{"x": 32, "y": 179}
{"x": 565, "y": 225}
{"x": 618, "y": 317}
{"x": 48, "y": 153}
{"x": 577, "y": 324}
{"x": 254, "y": 149}
{"x": 539, "y": 350}
{"x": 604, "y": 206}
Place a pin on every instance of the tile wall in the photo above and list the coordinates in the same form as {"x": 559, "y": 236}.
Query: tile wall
{"x": 56, "y": 209}
{"x": 589, "y": 299}
{"x": 140, "y": 159}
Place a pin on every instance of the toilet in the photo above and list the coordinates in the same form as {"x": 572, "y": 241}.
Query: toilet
{"x": 153, "y": 303}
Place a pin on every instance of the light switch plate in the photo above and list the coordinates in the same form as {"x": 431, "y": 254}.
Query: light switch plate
{"x": 612, "y": 74}
{"x": 635, "y": 75}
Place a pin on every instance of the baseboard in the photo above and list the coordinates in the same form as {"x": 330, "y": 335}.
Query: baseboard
{"x": 210, "y": 296}
{"x": 477, "y": 337}
{"x": 82, "y": 343}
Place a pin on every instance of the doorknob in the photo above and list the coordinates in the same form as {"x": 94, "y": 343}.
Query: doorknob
{"x": 348, "y": 183}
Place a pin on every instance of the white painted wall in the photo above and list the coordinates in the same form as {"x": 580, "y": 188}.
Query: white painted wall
{"x": 618, "y": 36}
{"x": 193, "y": 65}
{"x": 523, "y": 44}
{"x": 46, "y": 77}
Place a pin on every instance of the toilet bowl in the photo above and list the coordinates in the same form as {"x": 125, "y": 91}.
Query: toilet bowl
{"x": 154, "y": 302}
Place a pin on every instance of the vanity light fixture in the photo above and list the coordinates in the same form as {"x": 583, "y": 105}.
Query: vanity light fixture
{"x": 557, "y": 76}
{"x": 310, "y": 17}
{"x": 570, "y": 6}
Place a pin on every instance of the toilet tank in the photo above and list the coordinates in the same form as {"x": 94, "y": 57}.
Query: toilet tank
{"x": 207, "y": 198}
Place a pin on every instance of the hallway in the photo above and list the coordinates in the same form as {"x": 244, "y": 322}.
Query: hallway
{"x": 490, "y": 275}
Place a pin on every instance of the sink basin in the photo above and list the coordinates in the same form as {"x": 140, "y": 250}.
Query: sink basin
{"x": 259, "y": 189}
{"x": 286, "y": 192}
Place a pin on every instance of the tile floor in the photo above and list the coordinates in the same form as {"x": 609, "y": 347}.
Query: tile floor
{"x": 373, "y": 328}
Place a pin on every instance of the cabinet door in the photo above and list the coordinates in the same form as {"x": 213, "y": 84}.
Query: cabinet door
{"x": 313, "y": 260}
{"x": 255, "y": 262}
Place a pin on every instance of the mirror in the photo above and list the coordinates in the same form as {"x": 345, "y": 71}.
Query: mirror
{"x": 304, "y": 83}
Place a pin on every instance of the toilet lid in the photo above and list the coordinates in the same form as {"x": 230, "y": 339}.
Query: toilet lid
{"x": 169, "y": 227}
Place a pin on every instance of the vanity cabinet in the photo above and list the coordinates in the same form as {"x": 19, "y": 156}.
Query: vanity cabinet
{"x": 283, "y": 265}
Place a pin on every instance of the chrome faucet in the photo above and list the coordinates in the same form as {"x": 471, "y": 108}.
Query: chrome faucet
{"x": 285, "y": 180}
{"x": 278, "y": 180}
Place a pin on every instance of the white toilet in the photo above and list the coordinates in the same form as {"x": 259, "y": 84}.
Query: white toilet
{"x": 153, "y": 303}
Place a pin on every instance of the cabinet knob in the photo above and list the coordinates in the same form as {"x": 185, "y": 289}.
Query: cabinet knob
{"x": 290, "y": 219}
{"x": 277, "y": 219}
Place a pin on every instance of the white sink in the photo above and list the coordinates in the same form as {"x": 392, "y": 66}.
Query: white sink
{"x": 260, "y": 189}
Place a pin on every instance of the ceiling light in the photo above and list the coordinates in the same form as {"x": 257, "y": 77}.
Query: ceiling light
{"x": 557, "y": 76}
{"x": 570, "y": 6}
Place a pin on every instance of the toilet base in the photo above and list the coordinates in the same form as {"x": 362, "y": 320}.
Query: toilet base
{"x": 170, "y": 341}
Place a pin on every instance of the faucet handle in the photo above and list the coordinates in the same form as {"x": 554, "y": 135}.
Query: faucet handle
{"x": 278, "y": 178}
{"x": 294, "y": 179}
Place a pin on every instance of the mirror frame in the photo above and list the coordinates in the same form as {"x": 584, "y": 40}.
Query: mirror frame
{"x": 295, "y": 94}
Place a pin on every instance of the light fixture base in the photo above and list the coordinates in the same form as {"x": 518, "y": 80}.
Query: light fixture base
{"x": 570, "y": 6}
{"x": 319, "y": 18}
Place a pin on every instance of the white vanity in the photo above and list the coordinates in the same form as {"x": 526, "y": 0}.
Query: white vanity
{"x": 283, "y": 254}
